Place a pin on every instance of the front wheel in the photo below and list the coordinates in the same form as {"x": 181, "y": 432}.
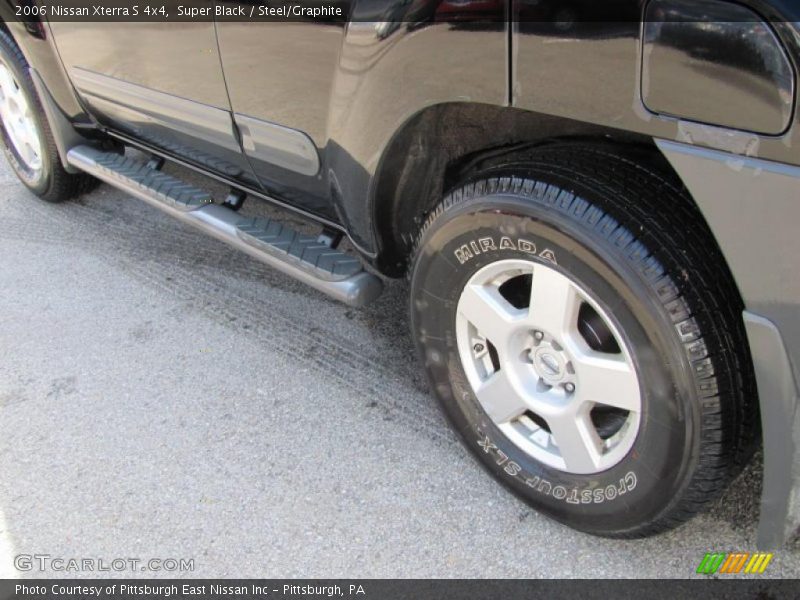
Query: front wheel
{"x": 27, "y": 140}
{"x": 603, "y": 376}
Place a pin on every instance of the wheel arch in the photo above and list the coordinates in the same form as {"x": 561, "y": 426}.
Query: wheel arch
{"x": 443, "y": 144}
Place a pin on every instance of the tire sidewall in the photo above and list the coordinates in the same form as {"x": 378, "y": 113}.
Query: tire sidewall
{"x": 649, "y": 479}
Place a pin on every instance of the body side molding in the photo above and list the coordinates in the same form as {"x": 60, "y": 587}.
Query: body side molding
{"x": 190, "y": 118}
{"x": 278, "y": 145}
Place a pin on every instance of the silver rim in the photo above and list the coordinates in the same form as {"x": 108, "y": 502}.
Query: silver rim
{"x": 18, "y": 120}
{"x": 548, "y": 366}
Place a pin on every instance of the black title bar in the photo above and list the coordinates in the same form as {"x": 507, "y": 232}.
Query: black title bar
{"x": 549, "y": 12}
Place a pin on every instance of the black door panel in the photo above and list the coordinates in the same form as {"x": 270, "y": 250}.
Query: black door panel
{"x": 280, "y": 76}
{"x": 159, "y": 82}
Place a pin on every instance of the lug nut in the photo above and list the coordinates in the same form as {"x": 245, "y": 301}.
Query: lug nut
{"x": 478, "y": 348}
{"x": 538, "y": 335}
{"x": 570, "y": 387}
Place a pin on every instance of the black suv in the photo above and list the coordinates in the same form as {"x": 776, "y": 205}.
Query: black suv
{"x": 596, "y": 207}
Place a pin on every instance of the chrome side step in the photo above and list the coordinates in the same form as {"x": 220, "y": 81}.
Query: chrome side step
{"x": 303, "y": 257}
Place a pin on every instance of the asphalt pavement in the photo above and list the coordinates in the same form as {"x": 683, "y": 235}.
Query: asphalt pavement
{"x": 163, "y": 396}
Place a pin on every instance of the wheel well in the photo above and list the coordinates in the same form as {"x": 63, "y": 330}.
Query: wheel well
{"x": 443, "y": 144}
{"x": 446, "y": 144}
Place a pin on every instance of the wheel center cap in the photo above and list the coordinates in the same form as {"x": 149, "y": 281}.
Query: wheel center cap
{"x": 549, "y": 364}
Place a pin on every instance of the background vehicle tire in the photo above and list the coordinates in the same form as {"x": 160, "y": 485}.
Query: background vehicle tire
{"x": 624, "y": 415}
{"x": 26, "y": 136}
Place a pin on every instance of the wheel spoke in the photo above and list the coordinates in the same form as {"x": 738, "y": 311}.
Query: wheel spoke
{"x": 499, "y": 399}
{"x": 607, "y": 379}
{"x": 28, "y": 153}
{"x": 577, "y": 439}
{"x": 32, "y": 140}
{"x": 23, "y": 133}
{"x": 6, "y": 104}
{"x": 554, "y": 301}
{"x": 490, "y": 313}
{"x": 22, "y": 104}
{"x": 6, "y": 81}
{"x": 19, "y": 137}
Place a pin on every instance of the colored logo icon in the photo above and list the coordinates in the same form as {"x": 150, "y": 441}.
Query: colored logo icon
{"x": 731, "y": 563}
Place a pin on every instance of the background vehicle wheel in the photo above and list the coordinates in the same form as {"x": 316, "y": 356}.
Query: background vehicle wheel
{"x": 26, "y": 136}
{"x": 583, "y": 334}
{"x": 565, "y": 20}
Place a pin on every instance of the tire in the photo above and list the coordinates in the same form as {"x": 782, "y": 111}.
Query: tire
{"x": 650, "y": 301}
{"x": 38, "y": 164}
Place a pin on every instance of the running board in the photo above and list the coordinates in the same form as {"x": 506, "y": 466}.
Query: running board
{"x": 304, "y": 257}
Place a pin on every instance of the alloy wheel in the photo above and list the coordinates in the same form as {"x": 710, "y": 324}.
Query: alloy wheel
{"x": 548, "y": 366}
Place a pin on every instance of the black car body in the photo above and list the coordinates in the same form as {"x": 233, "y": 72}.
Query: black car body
{"x": 361, "y": 123}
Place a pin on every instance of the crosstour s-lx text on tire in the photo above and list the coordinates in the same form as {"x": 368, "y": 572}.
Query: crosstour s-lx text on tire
{"x": 571, "y": 324}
